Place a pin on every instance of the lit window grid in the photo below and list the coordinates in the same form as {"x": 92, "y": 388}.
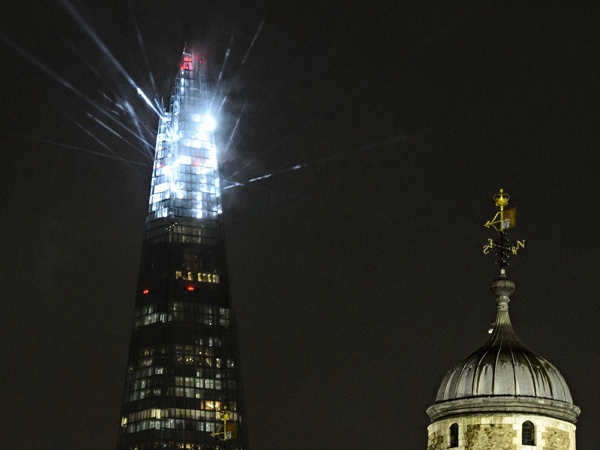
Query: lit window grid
{"x": 182, "y": 233}
{"x": 204, "y": 419}
{"x": 195, "y": 313}
{"x": 208, "y": 410}
{"x": 201, "y": 277}
{"x": 185, "y": 181}
{"x": 203, "y": 387}
{"x": 211, "y": 412}
{"x": 192, "y": 307}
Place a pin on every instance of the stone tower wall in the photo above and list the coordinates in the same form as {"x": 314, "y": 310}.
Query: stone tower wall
{"x": 501, "y": 432}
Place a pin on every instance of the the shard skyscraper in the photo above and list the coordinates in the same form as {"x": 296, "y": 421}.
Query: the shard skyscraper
{"x": 183, "y": 369}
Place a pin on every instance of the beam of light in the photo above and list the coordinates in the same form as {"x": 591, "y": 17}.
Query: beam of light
{"x": 303, "y": 126}
{"x": 258, "y": 30}
{"x": 214, "y": 91}
{"x": 85, "y": 60}
{"x": 222, "y": 103}
{"x": 262, "y": 177}
{"x": 125, "y": 107}
{"x": 146, "y": 99}
{"x": 63, "y": 82}
{"x": 139, "y": 127}
{"x": 366, "y": 83}
{"x": 138, "y": 133}
{"x": 96, "y": 39}
{"x": 99, "y": 141}
{"x": 90, "y": 134}
{"x": 237, "y": 122}
{"x": 128, "y": 112}
{"x": 225, "y": 97}
{"x": 336, "y": 104}
{"x": 393, "y": 139}
{"x": 224, "y": 62}
{"x": 140, "y": 40}
{"x": 102, "y": 124}
{"x": 85, "y": 150}
{"x": 315, "y": 119}
{"x": 233, "y": 184}
{"x": 45, "y": 69}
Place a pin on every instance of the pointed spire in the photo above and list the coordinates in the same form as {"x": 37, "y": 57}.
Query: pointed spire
{"x": 502, "y": 334}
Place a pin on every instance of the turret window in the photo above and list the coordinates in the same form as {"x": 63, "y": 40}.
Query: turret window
{"x": 528, "y": 433}
{"x": 454, "y": 435}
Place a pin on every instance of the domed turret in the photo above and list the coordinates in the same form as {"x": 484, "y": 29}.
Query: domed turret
{"x": 504, "y": 374}
{"x": 503, "y": 396}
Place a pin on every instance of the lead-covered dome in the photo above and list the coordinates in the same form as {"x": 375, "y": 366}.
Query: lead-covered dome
{"x": 504, "y": 375}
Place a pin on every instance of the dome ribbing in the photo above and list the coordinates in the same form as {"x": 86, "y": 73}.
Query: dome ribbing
{"x": 504, "y": 374}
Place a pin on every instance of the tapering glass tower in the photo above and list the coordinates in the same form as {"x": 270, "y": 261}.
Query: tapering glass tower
{"x": 183, "y": 368}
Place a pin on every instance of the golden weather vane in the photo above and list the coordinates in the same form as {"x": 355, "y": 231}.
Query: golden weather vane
{"x": 226, "y": 431}
{"x": 504, "y": 219}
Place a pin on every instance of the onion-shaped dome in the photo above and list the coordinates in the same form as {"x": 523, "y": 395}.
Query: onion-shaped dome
{"x": 504, "y": 375}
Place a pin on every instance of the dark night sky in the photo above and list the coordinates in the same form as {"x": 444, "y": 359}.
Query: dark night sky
{"x": 358, "y": 279}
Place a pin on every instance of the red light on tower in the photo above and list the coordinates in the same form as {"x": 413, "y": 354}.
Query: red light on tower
{"x": 146, "y": 291}
{"x": 186, "y": 64}
{"x": 190, "y": 288}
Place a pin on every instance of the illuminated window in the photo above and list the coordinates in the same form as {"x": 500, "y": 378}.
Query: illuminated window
{"x": 212, "y": 405}
{"x": 208, "y": 277}
{"x": 178, "y": 275}
{"x": 528, "y": 433}
{"x": 454, "y": 435}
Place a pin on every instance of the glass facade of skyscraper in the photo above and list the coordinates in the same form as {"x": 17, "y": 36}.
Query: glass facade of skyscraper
{"x": 183, "y": 369}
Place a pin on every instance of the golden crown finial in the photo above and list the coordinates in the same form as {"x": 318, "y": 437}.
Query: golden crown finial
{"x": 501, "y": 199}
